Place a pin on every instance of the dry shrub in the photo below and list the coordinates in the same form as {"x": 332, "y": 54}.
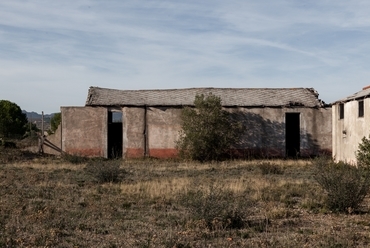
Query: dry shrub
{"x": 105, "y": 170}
{"x": 270, "y": 168}
{"x": 74, "y": 159}
{"x": 346, "y": 185}
{"x": 218, "y": 208}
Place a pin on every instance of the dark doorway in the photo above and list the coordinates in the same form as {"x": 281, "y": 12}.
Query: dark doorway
{"x": 292, "y": 134}
{"x": 114, "y": 134}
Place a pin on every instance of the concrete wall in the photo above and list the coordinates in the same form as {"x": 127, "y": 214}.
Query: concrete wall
{"x": 133, "y": 124}
{"x": 265, "y": 134}
{"x": 348, "y": 132}
{"x": 151, "y": 131}
{"x": 154, "y": 131}
{"x": 163, "y": 131}
{"x": 84, "y": 131}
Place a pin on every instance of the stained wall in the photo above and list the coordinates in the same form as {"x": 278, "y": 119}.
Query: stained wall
{"x": 349, "y": 130}
{"x": 153, "y": 131}
{"x": 84, "y": 131}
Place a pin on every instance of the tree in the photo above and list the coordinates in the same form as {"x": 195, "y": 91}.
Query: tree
{"x": 55, "y": 121}
{"x": 208, "y": 132}
{"x": 13, "y": 122}
{"x": 363, "y": 153}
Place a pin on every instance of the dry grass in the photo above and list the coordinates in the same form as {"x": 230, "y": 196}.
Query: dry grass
{"x": 47, "y": 202}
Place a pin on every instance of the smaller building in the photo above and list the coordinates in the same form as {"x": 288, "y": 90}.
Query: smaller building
{"x": 351, "y": 122}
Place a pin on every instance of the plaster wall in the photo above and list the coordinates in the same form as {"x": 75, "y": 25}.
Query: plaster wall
{"x": 154, "y": 131}
{"x": 164, "y": 125}
{"x": 348, "y": 132}
{"x": 84, "y": 131}
{"x": 133, "y": 124}
{"x": 266, "y": 130}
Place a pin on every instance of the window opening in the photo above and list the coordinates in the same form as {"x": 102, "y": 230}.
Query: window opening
{"x": 341, "y": 111}
{"x": 361, "y": 108}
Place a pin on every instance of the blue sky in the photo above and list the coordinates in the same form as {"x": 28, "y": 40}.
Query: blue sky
{"x": 51, "y": 52}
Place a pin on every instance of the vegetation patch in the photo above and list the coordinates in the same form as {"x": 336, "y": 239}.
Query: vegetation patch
{"x": 105, "y": 171}
{"x": 46, "y": 202}
{"x": 270, "y": 168}
{"x": 346, "y": 185}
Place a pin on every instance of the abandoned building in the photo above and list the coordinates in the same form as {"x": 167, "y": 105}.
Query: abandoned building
{"x": 136, "y": 123}
{"x": 351, "y": 122}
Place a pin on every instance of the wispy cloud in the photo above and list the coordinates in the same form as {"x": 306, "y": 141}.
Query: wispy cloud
{"x": 52, "y": 51}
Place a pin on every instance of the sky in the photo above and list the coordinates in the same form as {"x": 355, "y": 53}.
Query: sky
{"x": 51, "y": 52}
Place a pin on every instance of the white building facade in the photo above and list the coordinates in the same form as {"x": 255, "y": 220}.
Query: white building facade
{"x": 351, "y": 122}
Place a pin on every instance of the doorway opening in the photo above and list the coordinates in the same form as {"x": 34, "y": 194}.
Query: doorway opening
{"x": 292, "y": 134}
{"x": 114, "y": 134}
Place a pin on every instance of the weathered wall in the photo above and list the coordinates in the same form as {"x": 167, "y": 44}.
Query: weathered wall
{"x": 348, "y": 132}
{"x": 265, "y": 133}
{"x": 133, "y": 124}
{"x": 154, "y": 131}
{"x": 163, "y": 131}
{"x": 84, "y": 131}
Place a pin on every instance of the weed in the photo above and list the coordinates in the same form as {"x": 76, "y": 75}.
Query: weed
{"x": 217, "y": 207}
{"x": 105, "y": 170}
{"x": 74, "y": 159}
{"x": 270, "y": 168}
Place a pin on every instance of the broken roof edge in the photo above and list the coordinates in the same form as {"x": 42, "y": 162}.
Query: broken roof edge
{"x": 98, "y": 96}
{"x": 362, "y": 94}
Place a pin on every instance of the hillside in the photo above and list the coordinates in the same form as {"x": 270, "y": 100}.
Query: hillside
{"x": 36, "y": 118}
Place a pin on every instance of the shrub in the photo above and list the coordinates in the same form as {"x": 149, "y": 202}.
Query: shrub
{"x": 346, "y": 185}
{"x": 7, "y": 144}
{"x": 55, "y": 121}
{"x": 74, "y": 159}
{"x": 217, "y": 207}
{"x": 270, "y": 168}
{"x": 208, "y": 132}
{"x": 363, "y": 153}
{"x": 13, "y": 122}
{"x": 104, "y": 170}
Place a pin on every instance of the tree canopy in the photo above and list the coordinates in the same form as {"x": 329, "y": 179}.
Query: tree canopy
{"x": 55, "y": 121}
{"x": 208, "y": 132}
{"x": 12, "y": 120}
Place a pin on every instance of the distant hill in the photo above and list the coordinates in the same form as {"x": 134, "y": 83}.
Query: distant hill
{"x": 36, "y": 118}
{"x": 34, "y": 115}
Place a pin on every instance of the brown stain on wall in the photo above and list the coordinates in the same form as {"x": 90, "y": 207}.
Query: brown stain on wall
{"x": 164, "y": 153}
{"x": 134, "y": 153}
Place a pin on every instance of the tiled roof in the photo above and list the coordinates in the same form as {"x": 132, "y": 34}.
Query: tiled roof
{"x": 243, "y": 97}
{"x": 358, "y": 95}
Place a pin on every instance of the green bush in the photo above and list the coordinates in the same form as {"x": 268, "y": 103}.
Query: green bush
{"x": 346, "y": 185}
{"x": 217, "y": 207}
{"x": 13, "y": 123}
{"x": 363, "y": 153}
{"x": 55, "y": 121}
{"x": 208, "y": 132}
{"x": 105, "y": 170}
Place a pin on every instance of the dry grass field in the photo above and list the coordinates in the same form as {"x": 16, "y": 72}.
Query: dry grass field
{"x": 50, "y": 202}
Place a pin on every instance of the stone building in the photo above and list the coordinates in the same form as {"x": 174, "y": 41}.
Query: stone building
{"x": 136, "y": 123}
{"x": 351, "y": 122}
